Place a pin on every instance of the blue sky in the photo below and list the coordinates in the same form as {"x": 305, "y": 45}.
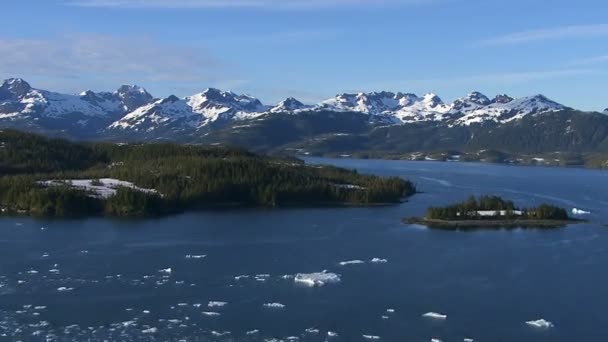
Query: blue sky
{"x": 313, "y": 49}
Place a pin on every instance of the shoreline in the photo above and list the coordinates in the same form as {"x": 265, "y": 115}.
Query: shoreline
{"x": 491, "y": 224}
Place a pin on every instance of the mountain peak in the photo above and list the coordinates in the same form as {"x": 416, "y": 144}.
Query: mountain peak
{"x": 134, "y": 96}
{"x": 478, "y": 98}
{"x": 432, "y": 99}
{"x": 502, "y": 99}
{"x": 289, "y": 104}
{"x": 16, "y": 86}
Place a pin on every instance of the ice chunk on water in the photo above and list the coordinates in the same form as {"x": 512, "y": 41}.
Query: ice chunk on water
{"x": 65, "y": 289}
{"x": 216, "y": 304}
{"x": 371, "y": 337}
{"x": 317, "y": 279}
{"x": 274, "y": 306}
{"x": 211, "y": 313}
{"x": 576, "y": 211}
{"x": 150, "y": 331}
{"x": 351, "y": 262}
{"x": 252, "y": 332}
{"x": 379, "y": 261}
{"x": 312, "y": 331}
{"x": 468, "y": 340}
{"x": 435, "y": 315}
{"x": 192, "y": 256}
{"x": 436, "y": 340}
{"x": 540, "y": 323}
{"x": 166, "y": 270}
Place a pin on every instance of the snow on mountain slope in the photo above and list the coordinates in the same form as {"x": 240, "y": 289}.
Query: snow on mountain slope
{"x": 192, "y": 112}
{"x": 19, "y": 100}
{"x": 133, "y": 108}
{"x": 288, "y": 105}
{"x": 510, "y": 111}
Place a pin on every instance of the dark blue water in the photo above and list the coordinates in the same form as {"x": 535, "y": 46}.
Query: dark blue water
{"x": 488, "y": 283}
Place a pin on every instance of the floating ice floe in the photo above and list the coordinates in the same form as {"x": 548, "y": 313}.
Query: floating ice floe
{"x": 317, "y": 279}
{"x": 65, "y": 289}
{"x": 150, "y": 331}
{"x": 379, "y": 261}
{"x": 146, "y": 312}
{"x": 211, "y": 313}
{"x": 166, "y": 270}
{"x": 435, "y": 315}
{"x": 239, "y": 277}
{"x": 274, "y": 306}
{"x": 468, "y": 340}
{"x": 436, "y": 340}
{"x": 312, "y": 331}
{"x": 351, "y": 262}
{"x": 390, "y": 310}
{"x": 219, "y": 334}
{"x": 216, "y": 304}
{"x": 332, "y": 334}
{"x": 252, "y": 332}
{"x": 371, "y": 337}
{"x": 576, "y": 211}
{"x": 192, "y": 256}
{"x": 385, "y": 317}
{"x": 540, "y": 323}
{"x": 45, "y": 255}
{"x": 32, "y": 272}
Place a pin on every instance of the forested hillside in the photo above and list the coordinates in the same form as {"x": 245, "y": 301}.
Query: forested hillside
{"x": 182, "y": 177}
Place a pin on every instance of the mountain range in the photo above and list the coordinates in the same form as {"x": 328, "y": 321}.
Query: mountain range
{"x": 376, "y": 121}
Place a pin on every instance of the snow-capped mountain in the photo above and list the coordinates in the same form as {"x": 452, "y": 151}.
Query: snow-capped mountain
{"x": 18, "y": 100}
{"x": 132, "y": 108}
{"x": 473, "y": 108}
{"x": 290, "y": 104}
{"x": 192, "y": 112}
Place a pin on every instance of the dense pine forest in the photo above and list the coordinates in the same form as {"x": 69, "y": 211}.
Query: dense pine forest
{"x": 469, "y": 210}
{"x": 184, "y": 177}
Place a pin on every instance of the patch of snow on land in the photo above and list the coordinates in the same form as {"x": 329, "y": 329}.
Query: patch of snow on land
{"x": 435, "y": 315}
{"x": 540, "y": 323}
{"x": 576, "y": 211}
{"x": 317, "y": 279}
{"x": 351, "y": 262}
{"x": 107, "y": 188}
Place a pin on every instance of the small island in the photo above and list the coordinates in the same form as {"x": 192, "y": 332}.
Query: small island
{"x": 493, "y": 212}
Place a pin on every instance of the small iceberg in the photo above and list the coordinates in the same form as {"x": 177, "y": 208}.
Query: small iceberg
{"x": 216, "y": 304}
{"x": 65, "y": 289}
{"x": 192, "y": 256}
{"x": 576, "y": 211}
{"x": 540, "y": 323}
{"x": 468, "y": 340}
{"x": 436, "y": 340}
{"x": 149, "y": 331}
{"x": 351, "y": 262}
{"x": 211, "y": 313}
{"x": 166, "y": 270}
{"x": 274, "y": 306}
{"x": 332, "y": 334}
{"x": 371, "y": 337}
{"x": 317, "y": 279}
{"x": 435, "y": 315}
{"x": 379, "y": 261}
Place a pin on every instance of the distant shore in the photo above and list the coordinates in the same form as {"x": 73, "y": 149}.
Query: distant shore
{"x": 491, "y": 224}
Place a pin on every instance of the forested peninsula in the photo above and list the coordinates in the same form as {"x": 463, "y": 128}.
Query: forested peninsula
{"x": 53, "y": 177}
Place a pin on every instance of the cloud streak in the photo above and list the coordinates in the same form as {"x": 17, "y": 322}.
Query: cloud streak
{"x": 252, "y": 4}
{"x": 110, "y": 58}
{"x": 555, "y": 33}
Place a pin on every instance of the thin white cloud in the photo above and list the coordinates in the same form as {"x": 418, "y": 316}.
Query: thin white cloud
{"x": 555, "y": 33}
{"x": 128, "y": 59}
{"x": 591, "y": 60}
{"x": 260, "y": 4}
